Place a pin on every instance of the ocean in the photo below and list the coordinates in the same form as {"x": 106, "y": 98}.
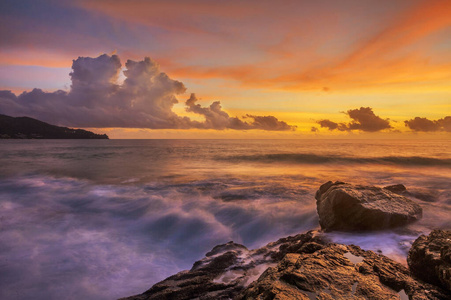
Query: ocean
{"x": 103, "y": 219}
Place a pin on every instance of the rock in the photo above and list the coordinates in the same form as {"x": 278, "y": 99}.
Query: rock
{"x": 200, "y": 280}
{"x": 343, "y": 206}
{"x": 339, "y": 272}
{"x": 396, "y": 188}
{"x": 228, "y": 269}
{"x": 305, "y": 266}
{"x": 430, "y": 258}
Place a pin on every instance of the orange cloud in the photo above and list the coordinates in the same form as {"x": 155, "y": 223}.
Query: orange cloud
{"x": 426, "y": 18}
{"x": 385, "y": 59}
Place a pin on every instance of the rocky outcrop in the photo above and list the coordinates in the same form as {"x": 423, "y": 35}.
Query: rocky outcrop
{"x": 304, "y": 266}
{"x": 430, "y": 258}
{"x": 307, "y": 266}
{"x": 339, "y": 272}
{"x": 343, "y": 206}
{"x": 228, "y": 269}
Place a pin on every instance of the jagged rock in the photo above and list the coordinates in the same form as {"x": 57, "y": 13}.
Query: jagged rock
{"x": 228, "y": 269}
{"x": 430, "y": 258}
{"x": 343, "y": 206}
{"x": 305, "y": 266}
{"x": 339, "y": 272}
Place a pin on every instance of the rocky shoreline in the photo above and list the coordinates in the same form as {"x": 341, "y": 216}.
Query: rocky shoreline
{"x": 309, "y": 266}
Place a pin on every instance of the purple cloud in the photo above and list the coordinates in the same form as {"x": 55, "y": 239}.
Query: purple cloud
{"x": 144, "y": 100}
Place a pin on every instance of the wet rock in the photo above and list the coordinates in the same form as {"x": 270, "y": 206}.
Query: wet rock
{"x": 339, "y": 272}
{"x": 430, "y": 258}
{"x": 305, "y": 266}
{"x": 343, "y": 206}
{"x": 200, "y": 280}
{"x": 228, "y": 269}
{"x": 396, "y": 188}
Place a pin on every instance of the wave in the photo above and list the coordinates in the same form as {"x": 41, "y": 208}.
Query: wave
{"x": 301, "y": 158}
{"x": 98, "y": 241}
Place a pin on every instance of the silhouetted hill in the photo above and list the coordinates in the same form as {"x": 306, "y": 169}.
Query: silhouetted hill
{"x": 29, "y": 128}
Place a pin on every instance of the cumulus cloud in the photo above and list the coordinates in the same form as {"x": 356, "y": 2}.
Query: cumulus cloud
{"x": 217, "y": 118}
{"x": 144, "y": 100}
{"x": 269, "y": 123}
{"x": 214, "y": 116}
{"x": 328, "y": 124}
{"x": 424, "y": 124}
{"x": 363, "y": 118}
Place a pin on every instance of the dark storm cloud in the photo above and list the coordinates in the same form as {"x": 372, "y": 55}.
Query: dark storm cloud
{"x": 144, "y": 100}
{"x": 424, "y": 124}
{"x": 363, "y": 118}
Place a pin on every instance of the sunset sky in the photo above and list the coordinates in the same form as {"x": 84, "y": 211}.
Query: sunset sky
{"x": 279, "y": 69}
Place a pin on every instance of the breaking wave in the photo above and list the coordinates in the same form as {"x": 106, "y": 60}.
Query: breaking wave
{"x": 322, "y": 159}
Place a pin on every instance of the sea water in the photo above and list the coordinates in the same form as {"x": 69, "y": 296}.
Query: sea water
{"x": 103, "y": 219}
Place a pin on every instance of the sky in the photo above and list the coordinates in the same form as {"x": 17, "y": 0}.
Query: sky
{"x": 230, "y": 69}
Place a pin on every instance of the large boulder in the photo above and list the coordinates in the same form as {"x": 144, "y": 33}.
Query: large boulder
{"x": 430, "y": 258}
{"x": 343, "y": 206}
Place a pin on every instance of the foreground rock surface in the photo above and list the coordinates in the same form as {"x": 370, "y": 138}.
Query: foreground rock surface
{"x": 228, "y": 269}
{"x": 430, "y": 258}
{"x": 339, "y": 272}
{"x": 305, "y": 266}
{"x": 343, "y": 206}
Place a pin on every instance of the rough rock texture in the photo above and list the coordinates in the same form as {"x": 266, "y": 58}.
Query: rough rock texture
{"x": 430, "y": 258}
{"x": 339, "y": 272}
{"x": 228, "y": 269}
{"x": 343, "y": 206}
{"x": 304, "y": 266}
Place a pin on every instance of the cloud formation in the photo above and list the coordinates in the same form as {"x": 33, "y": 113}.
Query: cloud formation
{"x": 328, "y": 124}
{"x": 363, "y": 119}
{"x": 144, "y": 100}
{"x": 426, "y": 125}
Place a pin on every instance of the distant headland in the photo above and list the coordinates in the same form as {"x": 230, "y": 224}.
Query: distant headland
{"x": 29, "y": 128}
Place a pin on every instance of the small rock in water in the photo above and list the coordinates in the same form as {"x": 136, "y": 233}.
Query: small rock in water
{"x": 396, "y": 188}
